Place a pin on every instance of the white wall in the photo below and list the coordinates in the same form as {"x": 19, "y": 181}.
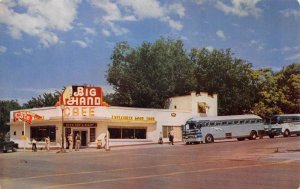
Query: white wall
{"x": 190, "y": 103}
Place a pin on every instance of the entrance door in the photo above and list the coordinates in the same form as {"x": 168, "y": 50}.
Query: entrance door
{"x": 83, "y": 136}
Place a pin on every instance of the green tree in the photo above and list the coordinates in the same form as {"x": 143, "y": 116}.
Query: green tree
{"x": 288, "y": 81}
{"x": 5, "y": 107}
{"x": 219, "y": 72}
{"x": 269, "y": 96}
{"x": 45, "y": 100}
{"x": 147, "y": 75}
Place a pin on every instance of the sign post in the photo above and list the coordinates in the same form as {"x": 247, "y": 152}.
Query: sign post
{"x": 24, "y": 138}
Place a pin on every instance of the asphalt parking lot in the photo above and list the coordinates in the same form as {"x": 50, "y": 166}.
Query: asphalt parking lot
{"x": 267, "y": 163}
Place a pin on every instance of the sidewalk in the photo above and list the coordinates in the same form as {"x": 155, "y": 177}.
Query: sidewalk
{"x": 113, "y": 148}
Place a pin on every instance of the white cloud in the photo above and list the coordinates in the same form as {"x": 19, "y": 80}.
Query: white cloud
{"x": 89, "y": 31}
{"x": 240, "y": 7}
{"x": 210, "y": 48}
{"x": 290, "y": 13}
{"x": 294, "y": 57}
{"x": 221, "y": 34}
{"x": 136, "y": 10}
{"x": 2, "y": 49}
{"x": 286, "y": 49}
{"x": 81, "y": 43}
{"x": 27, "y": 50}
{"x": 106, "y": 32}
{"x": 259, "y": 46}
{"x": 39, "y": 19}
{"x": 199, "y": 2}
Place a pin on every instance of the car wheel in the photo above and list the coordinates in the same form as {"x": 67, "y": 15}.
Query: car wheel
{"x": 209, "y": 138}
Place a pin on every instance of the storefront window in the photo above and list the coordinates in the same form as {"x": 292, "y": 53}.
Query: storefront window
{"x": 127, "y": 133}
{"x": 40, "y": 133}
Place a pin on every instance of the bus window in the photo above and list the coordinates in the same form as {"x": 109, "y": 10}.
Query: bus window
{"x": 229, "y": 122}
{"x": 236, "y": 122}
{"x": 242, "y": 121}
{"x": 224, "y": 123}
{"x": 212, "y": 123}
{"x": 199, "y": 125}
{"x": 252, "y": 121}
{"x": 218, "y": 123}
{"x": 247, "y": 121}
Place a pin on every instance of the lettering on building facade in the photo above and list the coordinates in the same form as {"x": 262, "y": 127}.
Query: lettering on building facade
{"x": 133, "y": 118}
{"x": 80, "y": 124}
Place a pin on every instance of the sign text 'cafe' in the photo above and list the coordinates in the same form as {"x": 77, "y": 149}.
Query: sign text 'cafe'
{"x": 81, "y": 100}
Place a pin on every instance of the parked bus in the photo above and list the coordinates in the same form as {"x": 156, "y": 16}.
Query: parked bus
{"x": 207, "y": 129}
{"x": 286, "y": 124}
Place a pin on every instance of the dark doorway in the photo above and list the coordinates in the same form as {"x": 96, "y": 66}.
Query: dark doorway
{"x": 83, "y": 136}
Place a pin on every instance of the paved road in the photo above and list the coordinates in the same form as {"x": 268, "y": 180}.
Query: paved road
{"x": 267, "y": 163}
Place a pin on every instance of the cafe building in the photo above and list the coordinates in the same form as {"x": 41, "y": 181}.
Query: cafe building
{"x": 82, "y": 111}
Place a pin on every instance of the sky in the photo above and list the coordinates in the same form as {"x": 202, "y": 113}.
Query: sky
{"x": 48, "y": 44}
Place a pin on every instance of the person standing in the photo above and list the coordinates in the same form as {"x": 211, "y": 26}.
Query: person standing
{"x": 70, "y": 141}
{"x": 47, "y": 141}
{"x": 78, "y": 141}
{"x": 34, "y": 149}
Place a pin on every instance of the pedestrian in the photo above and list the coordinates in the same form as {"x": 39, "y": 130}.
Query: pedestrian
{"x": 78, "y": 141}
{"x": 47, "y": 143}
{"x": 170, "y": 137}
{"x": 70, "y": 141}
{"x": 160, "y": 139}
{"x": 34, "y": 149}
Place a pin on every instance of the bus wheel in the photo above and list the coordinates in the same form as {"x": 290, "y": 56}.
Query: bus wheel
{"x": 286, "y": 133}
{"x": 241, "y": 139}
{"x": 253, "y": 135}
{"x": 209, "y": 138}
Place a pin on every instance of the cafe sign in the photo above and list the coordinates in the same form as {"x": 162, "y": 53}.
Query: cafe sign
{"x": 82, "y": 96}
{"x": 80, "y": 101}
{"x": 26, "y": 116}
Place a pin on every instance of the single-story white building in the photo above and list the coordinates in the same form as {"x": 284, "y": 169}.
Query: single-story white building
{"x": 91, "y": 120}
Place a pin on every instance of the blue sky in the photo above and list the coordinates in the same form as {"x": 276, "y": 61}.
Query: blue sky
{"x": 46, "y": 45}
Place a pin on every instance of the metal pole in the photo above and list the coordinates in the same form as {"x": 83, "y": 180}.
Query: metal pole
{"x": 62, "y": 130}
{"x": 24, "y": 137}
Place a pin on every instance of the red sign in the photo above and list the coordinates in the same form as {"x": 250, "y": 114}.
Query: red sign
{"x": 82, "y": 96}
{"x": 26, "y": 116}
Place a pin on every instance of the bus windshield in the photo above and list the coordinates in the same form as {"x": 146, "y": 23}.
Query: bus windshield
{"x": 194, "y": 125}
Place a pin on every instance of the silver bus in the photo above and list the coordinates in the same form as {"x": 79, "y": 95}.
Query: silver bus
{"x": 286, "y": 124}
{"x": 207, "y": 129}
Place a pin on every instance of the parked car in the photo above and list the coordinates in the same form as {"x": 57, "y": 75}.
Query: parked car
{"x": 6, "y": 146}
